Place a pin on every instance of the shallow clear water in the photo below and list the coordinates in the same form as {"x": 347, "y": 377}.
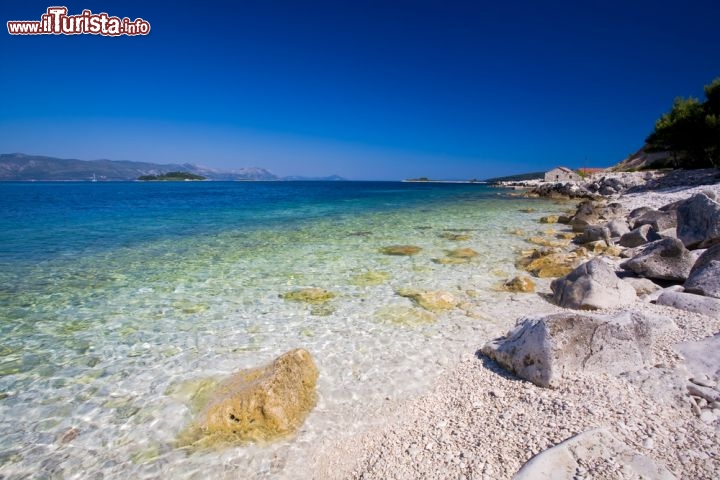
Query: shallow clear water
{"x": 111, "y": 293}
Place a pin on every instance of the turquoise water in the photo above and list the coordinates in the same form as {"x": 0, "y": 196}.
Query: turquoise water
{"x": 112, "y": 294}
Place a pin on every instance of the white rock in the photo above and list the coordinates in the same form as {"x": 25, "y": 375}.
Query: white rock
{"x": 562, "y": 461}
{"x": 544, "y": 349}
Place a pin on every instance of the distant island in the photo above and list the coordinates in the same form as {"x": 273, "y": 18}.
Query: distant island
{"x": 23, "y": 167}
{"x": 172, "y": 177}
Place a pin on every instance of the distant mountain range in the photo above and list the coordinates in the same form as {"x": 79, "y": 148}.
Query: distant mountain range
{"x": 19, "y": 167}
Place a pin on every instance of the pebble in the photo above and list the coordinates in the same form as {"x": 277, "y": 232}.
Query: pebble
{"x": 707, "y": 416}
{"x": 649, "y": 443}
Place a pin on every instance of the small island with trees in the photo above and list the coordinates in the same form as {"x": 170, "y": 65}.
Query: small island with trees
{"x": 171, "y": 177}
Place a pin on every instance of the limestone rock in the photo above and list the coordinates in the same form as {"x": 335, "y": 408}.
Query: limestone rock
{"x": 692, "y": 303}
{"x": 258, "y": 404}
{"x": 309, "y": 295}
{"x": 594, "y": 233}
{"x": 704, "y": 278}
{"x": 639, "y": 236}
{"x": 698, "y": 221}
{"x": 618, "y": 227}
{"x": 562, "y": 461}
{"x": 591, "y": 286}
{"x": 642, "y": 286}
{"x": 400, "y": 250}
{"x": 544, "y": 349}
{"x": 430, "y": 300}
{"x": 657, "y": 220}
{"x": 666, "y": 259}
{"x": 521, "y": 284}
{"x": 590, "y": 214}
{"x": 549, "y": 219}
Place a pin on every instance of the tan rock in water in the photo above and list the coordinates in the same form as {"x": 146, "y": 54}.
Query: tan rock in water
{"x": 521, "y": 284}
{"x": 400, "y": 250}
{"x": 430, "y": 300}
{"x": 258, "y": 404}
{"x": 462, "y": 253}
{"x": 309, "y": 295}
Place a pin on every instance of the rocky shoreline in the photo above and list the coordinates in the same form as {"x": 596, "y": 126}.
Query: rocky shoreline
{"x": 612, "y": 368}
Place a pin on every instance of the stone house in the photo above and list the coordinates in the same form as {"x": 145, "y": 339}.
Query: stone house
{"x": 562, "y": 174}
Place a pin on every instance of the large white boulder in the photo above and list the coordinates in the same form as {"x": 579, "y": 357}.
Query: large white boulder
{"x": 592, "y": 286}
{"x": 544, "y": 349}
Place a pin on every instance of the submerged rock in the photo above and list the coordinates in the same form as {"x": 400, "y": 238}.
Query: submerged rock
{"x": 400, "y": 250}
{"x": 370, "y": 278}
{"x": 549, "y": 219}
{"x": 258, "y": 404}
{"x": 544, "y": 349}
{"x": 462, "y": 253}
{"x": 404, "y": 316}
{"x": 309, "y": 295}
{"x": 455, "y": 237}
{"x": 552, "y": 265}
{"x": 520, "y": 284}
{"x": 430, "y": 300}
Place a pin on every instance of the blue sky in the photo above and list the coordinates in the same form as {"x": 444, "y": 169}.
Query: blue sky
{"x": 363, "y": 89}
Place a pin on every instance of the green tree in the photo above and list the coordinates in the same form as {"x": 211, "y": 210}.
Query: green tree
{"x": 691, "y": 130}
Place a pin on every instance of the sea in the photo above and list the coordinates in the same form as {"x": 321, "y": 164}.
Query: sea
{"x": 115, "y": 296}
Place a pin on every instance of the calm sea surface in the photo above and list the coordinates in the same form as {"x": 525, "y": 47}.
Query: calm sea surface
{"x": 114, "y": 295}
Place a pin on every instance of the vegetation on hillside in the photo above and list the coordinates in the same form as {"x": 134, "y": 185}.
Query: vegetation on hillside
{"x": 691, "y": 130}
{"x": 171, "y": 177}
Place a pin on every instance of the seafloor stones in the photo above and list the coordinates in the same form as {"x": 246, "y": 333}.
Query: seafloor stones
{"x": 370, "y": 278}
{"x": 544, "y": 349}
{"x": 400, "y": 250}
{"x": 549, "y": 219}
{"x": 309, "y": 295}
{"x": 429, "y": 299}
{"x": 462, "y": 253}
{"x": 665, "y": 259}
{"x": 591, "y": 286}
{"x": 692, "y": 303}
{"x": 455, "y": 237}
{"x": 657, "y": 220}
{"x": 639, "y": 236}
{"x": 704, "y": 278}
{"x": 564, "y": 460}
{"x": 520, "y": 284}
{"x": 698, "y": 221}
{"x": 547, "y": 242}
{"x": 258, "y": 404}
{"x": 404, "y": 316}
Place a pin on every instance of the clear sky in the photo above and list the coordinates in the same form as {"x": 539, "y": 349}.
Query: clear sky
{"x": 365, "y": 89}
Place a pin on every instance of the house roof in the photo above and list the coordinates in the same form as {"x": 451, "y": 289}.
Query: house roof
{"x": 564, "y": 169}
